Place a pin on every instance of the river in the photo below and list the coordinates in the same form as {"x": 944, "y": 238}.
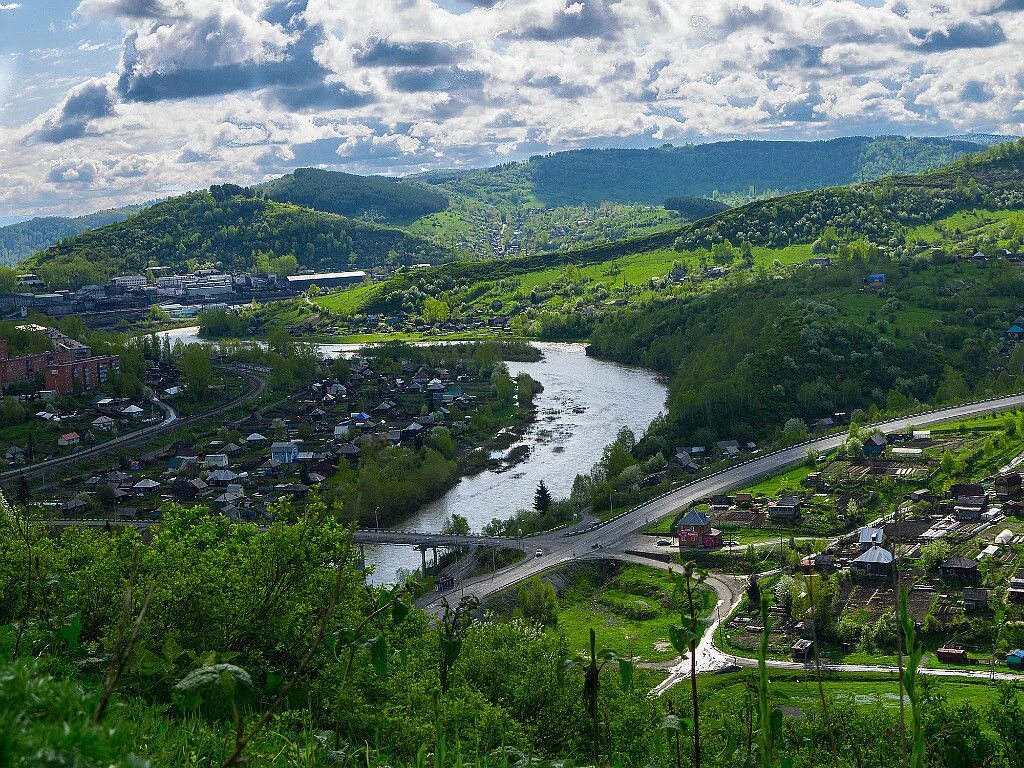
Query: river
{"x": 584, "y": 404}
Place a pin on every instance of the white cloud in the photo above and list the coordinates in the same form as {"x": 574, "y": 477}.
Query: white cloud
{"x": 208, "y": 90}
{"x": 9, "y": 6}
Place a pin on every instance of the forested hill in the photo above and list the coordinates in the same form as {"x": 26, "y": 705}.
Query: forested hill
{"x": 17, "y": 241}
{"x": 391, "y": 200}
{"x": 653, "y": 175}
{"x": 880, "y": 211}
{"x": 228, "y": 226}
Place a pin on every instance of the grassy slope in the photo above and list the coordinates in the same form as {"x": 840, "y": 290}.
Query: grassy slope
{"x": 587, "y": 605}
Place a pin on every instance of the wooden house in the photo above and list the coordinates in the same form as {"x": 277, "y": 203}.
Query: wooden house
{"x": 875, "y": 563}
{"x": 786, "y": 508}
{"x": 975, "y": 598}
{"x": 952, "y": 653}
{"x": 959, "y": 568}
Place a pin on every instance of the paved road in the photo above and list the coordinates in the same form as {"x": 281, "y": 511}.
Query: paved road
{"x": 171, "y": 422}
{"x": 606, "y": 540}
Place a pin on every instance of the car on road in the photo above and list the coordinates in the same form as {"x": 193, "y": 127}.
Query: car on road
{"x": 539, "y": 553}
{"x": 664, "y": 543}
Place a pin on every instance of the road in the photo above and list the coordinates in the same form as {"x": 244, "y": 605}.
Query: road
{"x": 171, "y": 421}
{"x": 610, "y": 538}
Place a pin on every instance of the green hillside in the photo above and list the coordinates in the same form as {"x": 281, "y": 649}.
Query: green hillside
{"x": 18, "y": 241}
{"x": 376, "y": 197}
{"x": 880, "y": 210}
{"x": 226, "y": 226}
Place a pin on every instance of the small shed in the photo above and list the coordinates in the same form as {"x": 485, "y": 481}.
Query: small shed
{"x": 803, "y": 650}
{"x": 952, "y": 654}
{"x": 1015, "y": 659}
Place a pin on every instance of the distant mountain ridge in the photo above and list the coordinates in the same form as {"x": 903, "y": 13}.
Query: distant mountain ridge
{"x": 701, "y": 170}
{"x": 577, "y": 177}
{"x": 20, "y": 240}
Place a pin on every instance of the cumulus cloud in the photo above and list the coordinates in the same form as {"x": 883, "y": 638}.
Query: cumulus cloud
{"x": 967, "y": 34}
{"x": 88, "y": 101}
{"x": 128, "y": 9}
{"x": 73, "y": 171}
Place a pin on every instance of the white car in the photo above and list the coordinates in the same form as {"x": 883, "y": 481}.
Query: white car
{"x": 539, "y": 553}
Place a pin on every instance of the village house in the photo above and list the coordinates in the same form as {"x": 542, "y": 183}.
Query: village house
{"x": 959, "y": 568}
{"x": 695, "y": 531}
{"x": 284, "y": 452}
{"x": 728, "y": 449}
{"x": 132, "y": 412}
{"x": 1008, "y": 485}
{"x": 874, "y": 563}
{"x": 185, "y": 489}
{"x": 215, "y": 461}
{"x": 875, "y": 445}
{"x": 875, "y": 281}
{"x": 69, "y": 439}
{"x": 104, "y": 423}
{"x": 968, "y": 501}
{"x": 786, "y": 508}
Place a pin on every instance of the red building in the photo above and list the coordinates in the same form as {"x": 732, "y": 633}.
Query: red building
{"x": 28, "y": 367}
{"x": 695, "y": 531}
{"x": 82, "y": 375}
{"x": 69, "y": 365}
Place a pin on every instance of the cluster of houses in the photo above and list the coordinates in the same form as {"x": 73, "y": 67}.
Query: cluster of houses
{"x": 694, "y": 458}
{"x": 283, "y": 455}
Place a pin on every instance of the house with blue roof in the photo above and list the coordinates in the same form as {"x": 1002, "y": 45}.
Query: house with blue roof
{"x": 1015, "y": 333}
{"x": 875, "y": 281}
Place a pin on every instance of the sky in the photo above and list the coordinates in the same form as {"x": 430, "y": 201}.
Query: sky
{"x": 107, "y": 102}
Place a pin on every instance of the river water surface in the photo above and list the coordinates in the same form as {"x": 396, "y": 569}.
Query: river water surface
{"x": 584, "y": 404}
